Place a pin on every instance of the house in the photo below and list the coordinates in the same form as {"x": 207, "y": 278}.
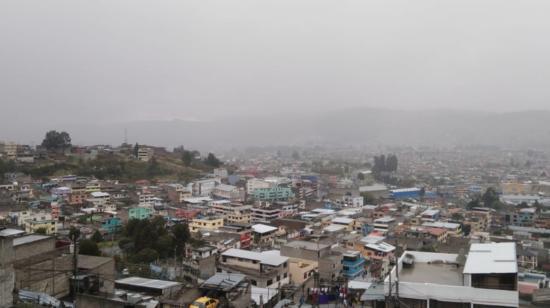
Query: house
{"x": 353, "y": 264}
{"x": 229, "y": 192}
{"x": 263, "y": 235}
{"x": 206, "y": 223}
{"x": 233, "y": 213}
{"x": 139, "y": 213}
{"x": 486, "y": 278}
{"x": 266, "y": 269}
{"x": 144, "y": 154}
{"x": 111, "y": 224}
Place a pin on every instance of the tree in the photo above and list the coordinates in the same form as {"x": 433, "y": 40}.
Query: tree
{"x": 181, "y": 235}
{"x": 56, "y": 141}
{"x": 391, "y": 163}
{"x": 361, "y": 176}
{"x": 146, "y": 255}
{"x": 41, "y": 230}
{"x": 97, "y": 237}
{"x": 490, "y": 198}
{"x": 89, "y": 247}
{"x": 136, "y": 150}
{"x": 368, "y": 198}
{"x": 212, "y": 161}
{"x": 187, "y": 158}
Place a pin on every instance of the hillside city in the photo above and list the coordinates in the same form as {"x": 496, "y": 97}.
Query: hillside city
{"x": 139, "y": 225}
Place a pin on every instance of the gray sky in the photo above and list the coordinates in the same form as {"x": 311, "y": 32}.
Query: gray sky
{"x": 110, "y": 61}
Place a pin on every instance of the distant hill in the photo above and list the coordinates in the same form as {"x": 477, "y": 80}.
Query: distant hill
{"x": 351, "y": 126}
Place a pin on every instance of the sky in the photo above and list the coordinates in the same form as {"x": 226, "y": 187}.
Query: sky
{"x": 130, "y": 60}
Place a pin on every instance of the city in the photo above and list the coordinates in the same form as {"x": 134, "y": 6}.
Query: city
{"x": 173, "y": 228}
{"x": 274, "y": 154}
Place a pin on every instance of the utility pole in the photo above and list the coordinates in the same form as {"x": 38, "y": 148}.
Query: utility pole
{"x": 74, "y": 234}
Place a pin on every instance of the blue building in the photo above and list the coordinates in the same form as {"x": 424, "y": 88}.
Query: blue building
{"x": 353, "y": 264}
{"x": 111, "y": 224}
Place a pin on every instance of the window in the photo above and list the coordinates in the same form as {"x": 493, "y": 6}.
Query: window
{"x": 278, "y": 277}
{"x": 253, "y": 282}
{"x": 270, "y": 282}
{"x": 285, "y": 275}
{"x": 305, "y": 275}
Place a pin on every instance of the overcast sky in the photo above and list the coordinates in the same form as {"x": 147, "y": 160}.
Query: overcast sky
{"x": 108, "y": 61}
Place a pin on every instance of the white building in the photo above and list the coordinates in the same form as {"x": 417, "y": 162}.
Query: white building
{"x": 487, "y": 279}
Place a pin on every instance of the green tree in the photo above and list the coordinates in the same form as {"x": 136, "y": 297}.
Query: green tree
{"x": 97, "y": 237}
{"x": 212, "y": 161}
{"x": 136, "y": 150}
{"x": 41, "y": 230}
{"x": 89, "y": 247}
{"x": 56, "y": 141}
{"x": 146, "y": 255}
{"x": 181, "y": 235}
{"x": 187, "y": 158}
{"x": 490, "y": 198}
{"x": 368, "y": 198}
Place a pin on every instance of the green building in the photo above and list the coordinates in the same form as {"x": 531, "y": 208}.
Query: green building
{"x": 140, "y": 213}
{"x": 273, "y": 194}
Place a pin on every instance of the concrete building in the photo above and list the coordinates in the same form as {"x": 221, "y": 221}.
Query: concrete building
{"x": 208, "y": 223}
{"x": 233, "y": 213}
{"x": 145, "y": 154}
{"x": 266, "y": 269}
{"x": 487, "y": 279}
{"x": 265, "y": 214}
{"x": 7, "y": 272}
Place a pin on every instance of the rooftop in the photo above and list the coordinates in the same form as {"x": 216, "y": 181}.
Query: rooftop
{"x": 261, "y": 228}
{"x": 306, "y": 245}
{"x": 437, "y": 273}
{"x": 271, "y": 257}
{"x": 147, "y": 283}
{"x": 491, "y": 258}
{"x": 10, "y": 232}
{"x": 29, "y": 239}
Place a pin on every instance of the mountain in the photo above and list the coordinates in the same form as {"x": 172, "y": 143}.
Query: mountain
{"x": 360, "y": 126}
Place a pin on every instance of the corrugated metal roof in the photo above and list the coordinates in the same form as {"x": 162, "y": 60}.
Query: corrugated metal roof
{"x": 491, "y": 258}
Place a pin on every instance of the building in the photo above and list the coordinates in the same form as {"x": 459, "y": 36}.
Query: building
{"x": 451, "y": 227}
{"x": 207, "y": 223}
{"x": 265, "y": 214}
{"x": 100, "y": 200}
{"x": 7, "y": 272}
{"x": 266, "y": 269}
{"x": 488, "y": 278}
{"x": 111, "y": 224}
{"x": 406, "y": 193}
{"x": 145, "y": 154}
{"x": 384, "y": 224}
{"x": 229, "y": 192}
{"x": 253, "y": 184}
{"x": 264, "y": 235}
{"x": 38, "y": 226}
{"x": 204, "y": 188}
{"x": 140, "y": 213}
{"x": 276, "y": 193}
{"x": 233, "y": 213}
{"x": 353, "y": 264}
{"x": 328, "y": 263}
{"x": 161, "y": 289}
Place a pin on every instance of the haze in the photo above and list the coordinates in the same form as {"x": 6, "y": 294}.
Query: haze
{"x": 108, "y": 62}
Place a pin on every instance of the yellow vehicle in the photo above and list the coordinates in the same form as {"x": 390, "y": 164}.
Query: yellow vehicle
{"x": 205, "y": 302}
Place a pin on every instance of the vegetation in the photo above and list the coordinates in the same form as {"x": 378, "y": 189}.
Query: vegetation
{"x": 56, "y": 141}
{"x": 385, "y": 164}
{"x": 89, "y": 247}
{"x": 148, "y": 240}
{"x": 212, "y": 161}
{"x": 97, "y": 237}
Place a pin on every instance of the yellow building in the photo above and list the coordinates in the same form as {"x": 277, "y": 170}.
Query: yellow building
{"x": 301, "y": 270}
{"x": 206, "y": 224}
{"x": 34, "y": 226}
